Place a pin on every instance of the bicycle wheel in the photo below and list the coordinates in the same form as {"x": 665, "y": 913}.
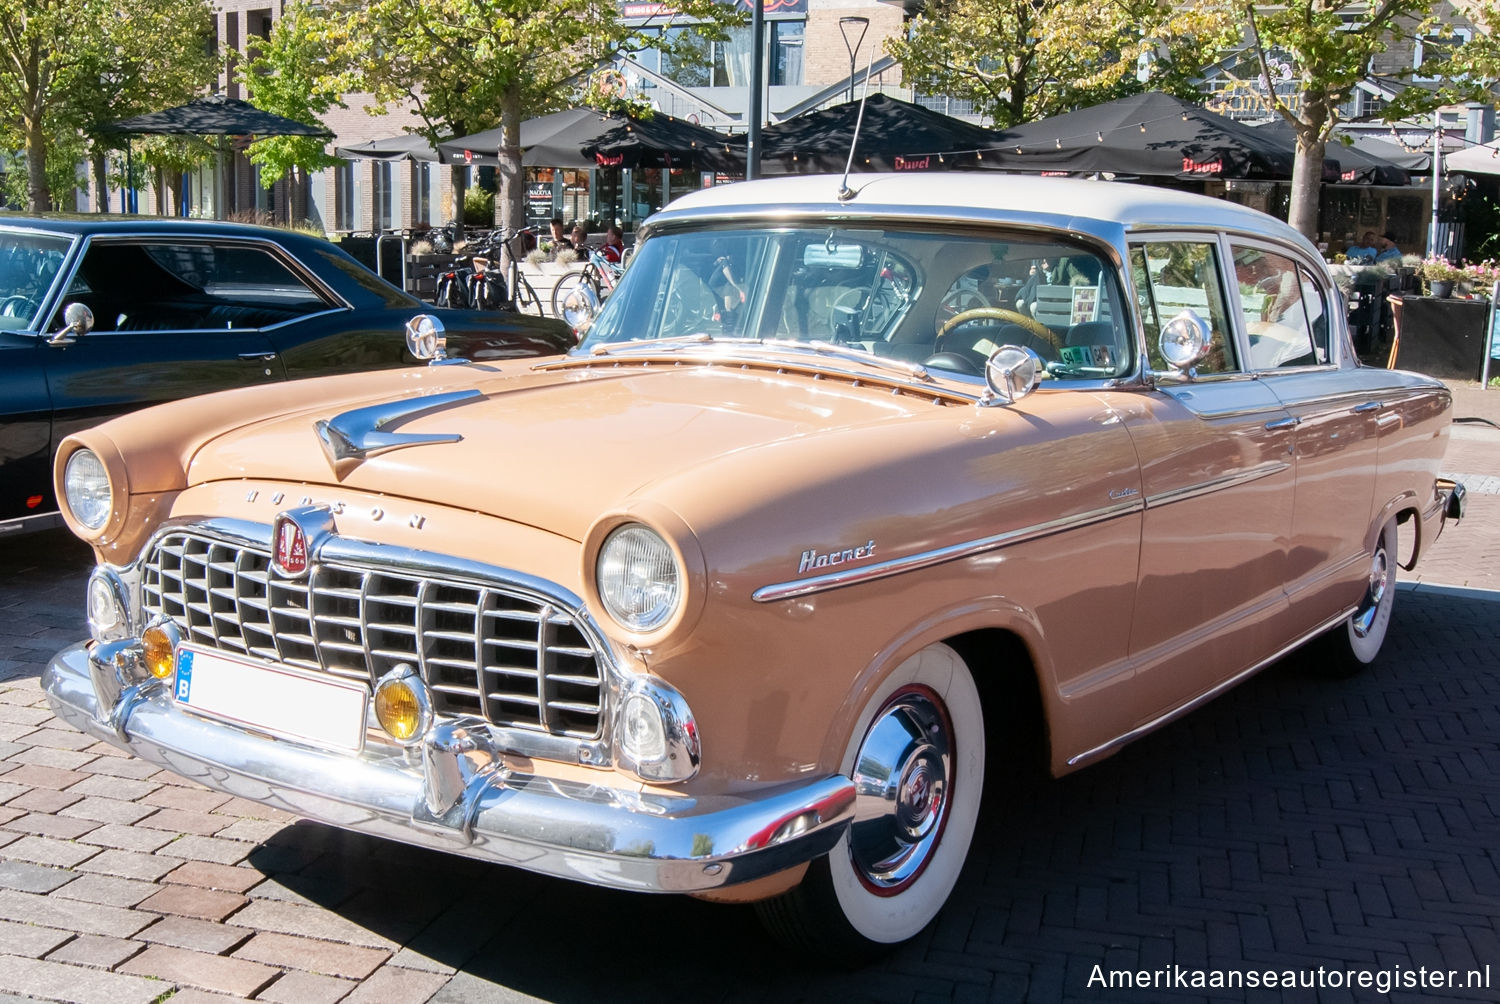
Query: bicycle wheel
{"x": 525, "y": 301}
{"x": 576, "y": 298}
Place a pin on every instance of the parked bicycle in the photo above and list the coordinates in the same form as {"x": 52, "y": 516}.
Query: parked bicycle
{"x": 580, "y": 292}
{"x": 488, "y": 275}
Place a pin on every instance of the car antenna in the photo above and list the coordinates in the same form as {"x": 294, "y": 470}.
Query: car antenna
{"x": 845, "y": 192}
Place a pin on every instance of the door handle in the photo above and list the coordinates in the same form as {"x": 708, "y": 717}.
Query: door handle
{"x": 258, "y": 357}
{"x": 1368, "y": 406}
{"x": 1290, "y": 422}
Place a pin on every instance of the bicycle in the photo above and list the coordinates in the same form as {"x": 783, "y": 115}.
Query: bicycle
{"x": 580, "y": 292}
{"x": 478, "y": 284}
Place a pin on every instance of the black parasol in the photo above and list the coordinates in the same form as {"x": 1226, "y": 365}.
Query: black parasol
{"x": 215, "y": 115}
{"x": 1148, "y": 135}
{"x": 894, "y": 135}
{"x": 1357, "y": 166}
{"x": 407, "y": 146}
{"x": 582, "y": 137}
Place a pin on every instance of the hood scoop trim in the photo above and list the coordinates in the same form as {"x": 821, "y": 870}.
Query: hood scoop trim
{"x": 347, "y": 439}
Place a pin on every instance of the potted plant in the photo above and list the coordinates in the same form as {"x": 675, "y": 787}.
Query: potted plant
{"x": 1481, "y": 277}
{"x": 1440, "y": 275}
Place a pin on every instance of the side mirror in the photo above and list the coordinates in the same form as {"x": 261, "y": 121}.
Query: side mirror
{"x": 1011, "y": 373}
{"x": 427, "y": 339}
{"x": 1185, "y": 341}
{"x": 78, "y": 320}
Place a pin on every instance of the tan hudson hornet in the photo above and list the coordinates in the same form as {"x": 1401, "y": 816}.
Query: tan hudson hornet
{"x": 841, "y": 489}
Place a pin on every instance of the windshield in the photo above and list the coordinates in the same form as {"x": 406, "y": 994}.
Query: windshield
{"x": 29, "y": 264}
{"x": 943, "y": 300}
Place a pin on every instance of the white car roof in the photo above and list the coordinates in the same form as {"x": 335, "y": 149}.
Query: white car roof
{"x": 1102, "y": 208}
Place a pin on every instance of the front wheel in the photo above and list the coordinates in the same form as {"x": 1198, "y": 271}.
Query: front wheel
{"x": 917, "y": 761}
{"x": 526, "y": 301}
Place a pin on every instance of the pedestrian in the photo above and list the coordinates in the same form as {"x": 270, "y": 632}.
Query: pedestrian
{"x": 1386, "y": 248}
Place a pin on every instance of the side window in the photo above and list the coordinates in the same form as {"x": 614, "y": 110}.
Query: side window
{"x": 1277, "y": 320}
{"x": 1173, "y": 276}
{"x": 150, "y": 286}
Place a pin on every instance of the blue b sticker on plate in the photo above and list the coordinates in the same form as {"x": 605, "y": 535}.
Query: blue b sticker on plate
{"x": 184, "y": 676}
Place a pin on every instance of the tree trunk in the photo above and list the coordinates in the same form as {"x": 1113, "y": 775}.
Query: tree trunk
{"x": 510, "y": 192}
{"x": 101, "y": 181}
{"x": 1307, "y": 182}
{"x": 38, "y": 198}
{"x": 458, "y": 177}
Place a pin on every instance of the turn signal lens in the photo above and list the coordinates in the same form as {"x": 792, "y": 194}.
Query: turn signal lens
{"x": 396, "y": 710}
{"x": 402, "y": 706}
{"x": 159, "y": 652}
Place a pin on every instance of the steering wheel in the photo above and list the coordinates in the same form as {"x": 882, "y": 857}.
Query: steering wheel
{"x": 1031, "y": 324}
{"x": 17, "y": 305}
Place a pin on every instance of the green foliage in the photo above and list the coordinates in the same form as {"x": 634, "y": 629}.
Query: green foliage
{"x": 284, "y": 77}
{"x": 62, "y": 175}
{"x": 467, "y": 65}
{"x": 479, "y": 207}
{"x": 1020, "y": 60}
{"x": 69, "y": 66}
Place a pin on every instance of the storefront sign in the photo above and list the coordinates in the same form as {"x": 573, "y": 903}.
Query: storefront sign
{"x": 1191, "y": 166}
{"x": 913, "y": 163}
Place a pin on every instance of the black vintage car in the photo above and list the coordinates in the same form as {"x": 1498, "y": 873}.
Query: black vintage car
{"x": 101, "y": 315}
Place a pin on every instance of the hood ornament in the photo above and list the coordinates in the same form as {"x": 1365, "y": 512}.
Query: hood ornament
{"x": 349, "y": 438}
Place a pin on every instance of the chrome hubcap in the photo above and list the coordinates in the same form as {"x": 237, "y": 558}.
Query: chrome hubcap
{"x": 1364, "y": 617}
{"x": 901, "y": 778}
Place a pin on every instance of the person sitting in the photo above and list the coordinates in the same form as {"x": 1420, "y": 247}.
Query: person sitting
{"x": 1385, "y": 246}
{"x": 580, "y": 236}
{"x": 559, "y": 238}
{"x": 1363, "y": 252}
{"x": 614, "y": 244}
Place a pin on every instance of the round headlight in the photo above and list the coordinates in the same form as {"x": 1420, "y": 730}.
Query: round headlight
{"x": 86, "y": 485}
{"x": 638, "y": 578}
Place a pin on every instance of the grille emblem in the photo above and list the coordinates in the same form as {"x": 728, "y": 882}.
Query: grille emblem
{"x": 294, "y": 537}
{"x": 291, "y": 548}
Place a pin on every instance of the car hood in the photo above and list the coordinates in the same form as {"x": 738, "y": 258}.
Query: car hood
{"x": 556, "y": 449}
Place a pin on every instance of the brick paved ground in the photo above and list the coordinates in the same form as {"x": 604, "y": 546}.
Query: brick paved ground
{"x": 1293, "y": 823}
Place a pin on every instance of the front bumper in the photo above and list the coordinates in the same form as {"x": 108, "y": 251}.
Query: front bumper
{"x": 461, "y": 797}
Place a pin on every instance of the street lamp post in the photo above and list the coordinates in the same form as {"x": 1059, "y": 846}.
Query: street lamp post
{"x": 845, "y": 25}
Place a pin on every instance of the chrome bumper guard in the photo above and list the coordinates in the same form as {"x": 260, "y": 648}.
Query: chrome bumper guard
{"x": 461, "y": 797}
{"x": 1454, "y": 497}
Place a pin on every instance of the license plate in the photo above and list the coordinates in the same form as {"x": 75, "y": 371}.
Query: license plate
{"x": 318, "y": 710}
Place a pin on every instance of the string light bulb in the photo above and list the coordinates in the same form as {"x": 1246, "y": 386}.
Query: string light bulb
{"x": 1143, "y": 127}
{"x": 1059, "y": 142}
{"x": 1101, "y": 135}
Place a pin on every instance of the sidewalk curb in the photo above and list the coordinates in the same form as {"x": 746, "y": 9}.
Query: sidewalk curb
{"x": 1457, "y": 592}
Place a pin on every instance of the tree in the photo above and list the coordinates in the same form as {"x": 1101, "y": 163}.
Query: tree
{"x": 1329, "y": 46}
{"x": 281, "y": 77}
{"x": 68, "y": 66}
{"x": 1021, "y": 60}
{"x": 467, "y": 65}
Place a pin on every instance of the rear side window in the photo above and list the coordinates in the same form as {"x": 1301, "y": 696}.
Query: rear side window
{"x": 1279, "y": 317}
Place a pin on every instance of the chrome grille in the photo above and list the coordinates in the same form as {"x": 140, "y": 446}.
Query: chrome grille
{"x": 504, "y": 654}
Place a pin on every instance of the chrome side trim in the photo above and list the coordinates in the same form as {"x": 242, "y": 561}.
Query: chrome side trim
{"x": 1244, "y": 477}
{"x": 924, "y": 559}
{"x": 29, "y": 524}
{"x": 1207, "y": 695}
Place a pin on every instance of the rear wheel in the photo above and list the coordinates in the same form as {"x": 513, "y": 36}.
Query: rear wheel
{"x": 1353, "y": 645}
{"x": 526, "y": 301}
{"x": 917, "y": 761}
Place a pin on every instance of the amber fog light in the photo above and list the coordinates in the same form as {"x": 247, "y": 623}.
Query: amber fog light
{"x": 402, "y": 705}
{"x": 159, "y": 649}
